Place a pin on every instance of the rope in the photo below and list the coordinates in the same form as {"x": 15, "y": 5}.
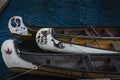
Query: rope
{"x": 20, "y": 74}
{"x": 13, "y": 77}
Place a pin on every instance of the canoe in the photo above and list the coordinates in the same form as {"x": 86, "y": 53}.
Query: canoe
{"x": 25, "y": 32}
{"x": 20, "y": 30}
{"x": 19, "y": 58}
{"x": 48, "y": 40}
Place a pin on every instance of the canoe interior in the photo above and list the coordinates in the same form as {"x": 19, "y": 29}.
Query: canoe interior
{"x": 113, "y": 45}
{"x": 104, "y": 38}
{"x": 108, "y": 63}
{"x": 80, "y": 63}
{"x": 91, "y": 31}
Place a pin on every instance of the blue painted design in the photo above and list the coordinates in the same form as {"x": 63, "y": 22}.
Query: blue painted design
{"x": 15, "y": 22}
{"x": 18, "y": 21}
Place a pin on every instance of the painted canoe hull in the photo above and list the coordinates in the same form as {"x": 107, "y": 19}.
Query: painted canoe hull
{"x": 21, "y": 31}
{"x": 108, "y": 40}
{"x": 46, "y": 41}
{"x": 60, "y": 65}
{"x": 25, "y": 32}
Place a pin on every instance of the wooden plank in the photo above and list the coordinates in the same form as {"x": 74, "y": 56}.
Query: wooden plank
{"x": 108, "y": 32}
{"x": 95, "y": 31}
{"x": 98, "y": 44}
{"x": 87, "y": 32}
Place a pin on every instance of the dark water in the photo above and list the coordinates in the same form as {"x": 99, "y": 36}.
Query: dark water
{"x": 58, "y": 13}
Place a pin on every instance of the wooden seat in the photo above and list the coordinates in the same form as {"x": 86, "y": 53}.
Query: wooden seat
{"x": 97, "y": 34}
{"x": 87, "y": 32}
{"x": 116, "y": 46}
{"x": 108, "y": 32}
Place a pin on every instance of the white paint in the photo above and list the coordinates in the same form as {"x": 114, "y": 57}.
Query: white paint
{"x": 69, "y": 48}
{"x": 13, "y": 60}
{"x": 22, "y": 29}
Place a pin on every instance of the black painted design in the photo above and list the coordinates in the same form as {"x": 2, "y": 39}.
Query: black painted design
{"x": 43, "y": 38}
{"x": 15, "y": 22}
{"x": 58, "y": 45}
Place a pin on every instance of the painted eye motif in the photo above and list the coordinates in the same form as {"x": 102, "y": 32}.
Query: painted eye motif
{"x": 13, "y": 23}
{"x": 16, "y": 22}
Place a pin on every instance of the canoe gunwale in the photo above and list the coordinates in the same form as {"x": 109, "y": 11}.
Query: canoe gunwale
{"x": 85, "y": 37}
{"x": 55, "y": 35}
{"x": 65, "y": 54}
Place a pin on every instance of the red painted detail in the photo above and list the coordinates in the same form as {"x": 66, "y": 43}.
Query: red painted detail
{"x": 8, "y": 51}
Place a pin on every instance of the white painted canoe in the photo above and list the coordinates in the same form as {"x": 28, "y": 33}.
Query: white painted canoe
{"x": 59, "y": 65}
{"x": 47, "y": 42}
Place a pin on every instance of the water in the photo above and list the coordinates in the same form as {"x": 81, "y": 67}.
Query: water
{"x": 58, "y": 13}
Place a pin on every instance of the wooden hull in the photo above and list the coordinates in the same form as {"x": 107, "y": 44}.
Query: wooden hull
{"x": 60, "y": 64}
{"x": 24, "y": 38}
{"x": 67, "y": 73}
